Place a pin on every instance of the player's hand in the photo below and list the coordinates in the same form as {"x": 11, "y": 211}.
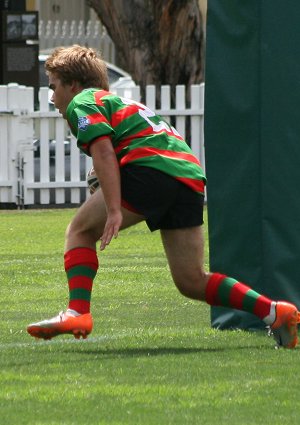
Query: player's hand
{"x": 111, "y": 229}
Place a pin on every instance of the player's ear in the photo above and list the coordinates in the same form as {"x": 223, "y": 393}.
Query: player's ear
{"x": 75, "y": 86}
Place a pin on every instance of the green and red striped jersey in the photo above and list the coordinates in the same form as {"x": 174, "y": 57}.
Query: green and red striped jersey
{"x": 138, "y": 135}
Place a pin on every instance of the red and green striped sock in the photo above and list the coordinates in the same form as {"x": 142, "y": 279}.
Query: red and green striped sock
{"x": 224, "y": 291}
{"x": 81, "y": 265}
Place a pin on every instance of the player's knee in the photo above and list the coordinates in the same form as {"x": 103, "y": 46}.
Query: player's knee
{"x": 183, "y": 289}
{"x": 73, "y": 229}
{"x": 67, "y": 232}
{"x": 191, "y": 286}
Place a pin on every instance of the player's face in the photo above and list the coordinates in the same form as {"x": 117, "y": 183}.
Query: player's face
{"x": 62, "y": 93}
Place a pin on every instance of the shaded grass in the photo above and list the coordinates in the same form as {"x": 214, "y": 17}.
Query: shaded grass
{"x": 152, "y": 357}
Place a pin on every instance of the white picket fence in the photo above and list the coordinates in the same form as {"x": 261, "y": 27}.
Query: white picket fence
{"x": 40, "y": 164}
{"x": 65, "y": 33}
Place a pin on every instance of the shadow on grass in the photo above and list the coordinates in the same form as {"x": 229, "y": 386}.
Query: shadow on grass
{"x": 47, "y": 354}
{"x": 151, "y": 352}
{"x": 147, "y": 351}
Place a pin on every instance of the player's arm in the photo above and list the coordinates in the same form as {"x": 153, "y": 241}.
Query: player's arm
{"x": 107, "y": 170}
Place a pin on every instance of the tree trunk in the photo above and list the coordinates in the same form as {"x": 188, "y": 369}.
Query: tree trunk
{"x": 157, "y": 41}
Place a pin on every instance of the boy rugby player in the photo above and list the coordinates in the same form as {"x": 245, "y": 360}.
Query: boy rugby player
{"x": 146, "y": 172}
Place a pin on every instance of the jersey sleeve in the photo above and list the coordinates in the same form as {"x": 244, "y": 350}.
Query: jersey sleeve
{"x": 88, "y": 123}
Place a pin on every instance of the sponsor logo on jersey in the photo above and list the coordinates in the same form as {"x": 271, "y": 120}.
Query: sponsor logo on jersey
{"x": 83, "y": 123}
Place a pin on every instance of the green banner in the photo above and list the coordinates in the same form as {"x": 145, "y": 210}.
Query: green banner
{"x": 252, "y": 148}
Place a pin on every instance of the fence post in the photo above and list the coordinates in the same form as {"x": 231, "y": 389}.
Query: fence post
{"x": 150, "y": 97}
{"x": 180, "y": 106}
{"x": 27, "y": 156}
{"x": 5, "y": 184}
{"x": 44, "y": 147}
{"x": 13, "y": 133}
{"x": 197, "y": 122}
{"x": 165, "y": 100}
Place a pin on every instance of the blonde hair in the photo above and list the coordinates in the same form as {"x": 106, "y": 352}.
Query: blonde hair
{"x": 78, "y": 63}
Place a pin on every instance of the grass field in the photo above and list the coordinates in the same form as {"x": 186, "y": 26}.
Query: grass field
{"x": 152, "y": 357}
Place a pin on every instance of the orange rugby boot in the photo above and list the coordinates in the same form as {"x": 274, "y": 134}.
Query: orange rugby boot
{"x": 63, "y": 323}
{"x": 285, "y": 327}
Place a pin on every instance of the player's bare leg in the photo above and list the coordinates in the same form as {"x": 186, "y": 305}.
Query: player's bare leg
{"x": 87, "y": 226}
{"x": 81, "y": 265}
{"x": 184, "y": 250}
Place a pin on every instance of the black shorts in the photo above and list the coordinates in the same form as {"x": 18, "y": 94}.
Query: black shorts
{"x": 165, "y": 202}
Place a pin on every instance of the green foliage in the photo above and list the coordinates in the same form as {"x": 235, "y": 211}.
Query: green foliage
{"x": 152, "y": 357}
